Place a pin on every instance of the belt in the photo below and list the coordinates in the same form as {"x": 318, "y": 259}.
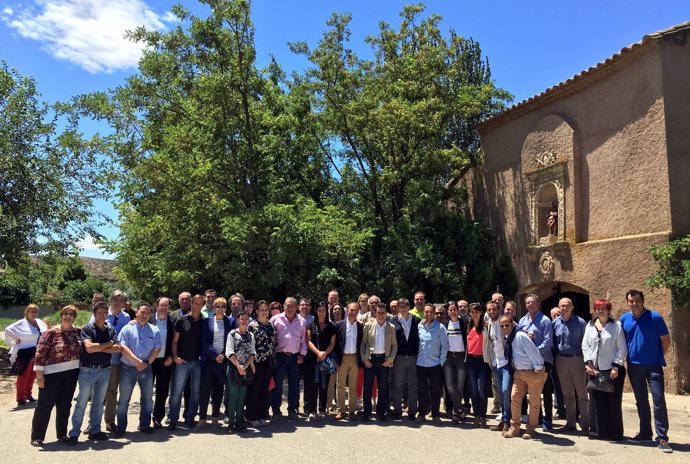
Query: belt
{"x": 349, "y": 354}
{"x": 475, "y": 355}
{"x": 569, "y": 355}
{"x": 456, "y": 354}
{"x": 287, "y": 353}
{"x": 377, "y": 355}
{"x": 96, "y": 366}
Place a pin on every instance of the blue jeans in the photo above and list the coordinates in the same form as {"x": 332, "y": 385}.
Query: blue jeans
{"x": 640, "y": 376}
{"x": 478, "y": 374}
{"x": 92, "y": 382}
{"x": 505, "y": 385}
{"x": 187, "y": 370}
{"x": 129, "y": 377}
{"x": 286, "y": 363}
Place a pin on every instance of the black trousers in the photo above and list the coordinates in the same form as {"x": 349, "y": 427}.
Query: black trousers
{"x": 213, "y": 378}
{"x": 314, "y": 393}
{"x": 605, "y": 411}
{"x": 429, "y": 389}
{"x": 381, "y": 374}
{"x": 161, "y": 376}
{"x": 258, "y": 396}
{"x": 57, "y": 393}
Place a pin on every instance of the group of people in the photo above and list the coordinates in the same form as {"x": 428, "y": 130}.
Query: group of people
{"x": 404, "y": 356}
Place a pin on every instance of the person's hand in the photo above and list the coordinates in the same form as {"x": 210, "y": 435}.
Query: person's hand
{"x": 168, "y": 361}
{"x": 367, "y": 364}
{"x": 241, "y": 370}
{"x": 253, "y": 369}
{"x": 614, "y": 373}
{"x": 17, "y": 341}
{"x": 300, "y": 359}
{"x": 387, "y": 363}
{"x": 590, "y": 371}
{"x": 132, "y": 322}
{"x": 141, "y": 365}
{"x": 179, "y": 361}
{"x": 40, "y": 381}
{"x": 220, "y": 358}
{"x": 321, "y": 355}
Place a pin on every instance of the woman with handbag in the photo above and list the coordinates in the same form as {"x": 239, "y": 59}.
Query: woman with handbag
{"x": 319, "y": 364}
{"x": 22, "y": 337}
{"x": 604, "y": 349}
{"x": 240, "y": 352}
{"x": 265, "y": 340}
{"x": 57, "y": 372}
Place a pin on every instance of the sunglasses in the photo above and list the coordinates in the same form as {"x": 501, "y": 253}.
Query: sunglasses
{"x": 505, "y": 325}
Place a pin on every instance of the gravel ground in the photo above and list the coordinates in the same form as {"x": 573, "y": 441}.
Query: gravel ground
{"x": 328, "y": 442}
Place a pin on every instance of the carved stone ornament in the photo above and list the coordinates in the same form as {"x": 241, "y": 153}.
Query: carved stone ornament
{"x": 546, "y": 159}
{"x": 547, "y": 265}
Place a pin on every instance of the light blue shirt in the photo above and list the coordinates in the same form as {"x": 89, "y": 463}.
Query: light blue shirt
{"x": 526, "y": 355}
{"x": 141, "y": 340}
{"x": 543, "y": 333}
{"x": 117, "y": 323}
{"x": 433, "y": 344}
{"x": 568, "y": 335}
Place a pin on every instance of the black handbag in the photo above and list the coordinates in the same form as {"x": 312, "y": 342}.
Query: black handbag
{"x": 241, "y": 380}
{"x": 601, "y": 380}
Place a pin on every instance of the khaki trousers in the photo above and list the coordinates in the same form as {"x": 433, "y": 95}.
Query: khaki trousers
{"x": 530, "y": 383}
{"x": 347, "y": 376}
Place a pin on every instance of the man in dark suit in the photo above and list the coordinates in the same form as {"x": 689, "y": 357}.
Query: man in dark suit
{"x": 163, "y": 365}
{"x": 347, "y": 352}
{"x": 404, "y": 372}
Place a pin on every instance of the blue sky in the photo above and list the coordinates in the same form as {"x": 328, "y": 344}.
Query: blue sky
{"x": 76, "y": 46}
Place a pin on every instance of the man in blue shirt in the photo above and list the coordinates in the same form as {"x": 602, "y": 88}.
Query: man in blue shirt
{"x": 432, "y": 354}
{"x": 140, "y": 344}
{"x": 529, "y": 375}
{"x": 648, "y": 340}
{"x": 568, "y": 331}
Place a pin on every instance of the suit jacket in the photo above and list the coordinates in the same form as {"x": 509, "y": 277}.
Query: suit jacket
{"x": 340, "y": 337}
{"x": 390, "y": 341}
{"x": 207, "y": 350}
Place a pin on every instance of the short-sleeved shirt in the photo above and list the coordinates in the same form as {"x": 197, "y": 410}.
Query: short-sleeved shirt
{"x": 189, "y": 342}
{"x": 96, "y": 335}
{"x": 643, "y": 336}
{"x": 321, "y": 338}
{"x": 141, "y": 340}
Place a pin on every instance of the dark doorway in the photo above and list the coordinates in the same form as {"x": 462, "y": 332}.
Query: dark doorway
{"x": 580, "y": 304}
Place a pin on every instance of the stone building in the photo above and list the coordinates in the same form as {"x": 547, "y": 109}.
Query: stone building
{"x": 606, "y": 155}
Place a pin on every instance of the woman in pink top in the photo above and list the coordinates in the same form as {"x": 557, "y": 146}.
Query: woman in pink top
{"x": 478, "y": 371}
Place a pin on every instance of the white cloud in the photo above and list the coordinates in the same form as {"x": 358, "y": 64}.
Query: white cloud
{"x": 90, "y": 249}
{"x": 87, "y": 33}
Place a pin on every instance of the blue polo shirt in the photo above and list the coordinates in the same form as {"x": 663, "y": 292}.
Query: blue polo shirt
{"x": 643, "y": 337}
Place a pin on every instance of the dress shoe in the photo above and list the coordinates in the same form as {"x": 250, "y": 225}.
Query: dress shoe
{"x": 499, "y": 428}
{"x": 366, "y": 417}
{"x": 382, "y": 418}
{"x": 512, "y": 433}
{"x": 72, "y": 441}
{"x": 147, "y": 430}
{"x": 157, "y": 424}
{"x": 172, "y": 426}
{"x": 98, "y": 436}
{"x": 119, "y": 433}
{"x": 565, "y": 429}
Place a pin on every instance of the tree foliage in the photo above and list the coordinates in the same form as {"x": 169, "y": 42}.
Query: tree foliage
{"x": 673, "y": 259}
{"x": 49, "y": 175}
{"x": 241, "y": 178}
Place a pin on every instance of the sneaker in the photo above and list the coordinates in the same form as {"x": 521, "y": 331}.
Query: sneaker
{"x": 639, "y": 438}
{"x": 31, "y": 399}
{"x": 37, "y": 443}
{"x": 255, "y": 423}
{"x": 72, "y": 441}
{"x": 547, "y": 426}
{"x": 665, "y": 447}
{"x": 119, "y": 433}
{"x": 312, "y": 416}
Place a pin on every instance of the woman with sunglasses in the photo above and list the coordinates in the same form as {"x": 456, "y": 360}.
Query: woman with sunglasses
{"x": 57, "y": 371}
{"x": 478, "y": 371}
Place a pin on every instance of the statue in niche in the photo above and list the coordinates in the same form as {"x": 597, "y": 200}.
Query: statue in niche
{"x": 552, "y": 219}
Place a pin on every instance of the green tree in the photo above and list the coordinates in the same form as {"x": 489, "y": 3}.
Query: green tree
{"x": 404, "y": 123}
{"x": 49, "y": 176}
{"x": 673, "y": 259}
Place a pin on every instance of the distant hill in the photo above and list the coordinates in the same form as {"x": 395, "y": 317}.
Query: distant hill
{"x": 101, "y": 269}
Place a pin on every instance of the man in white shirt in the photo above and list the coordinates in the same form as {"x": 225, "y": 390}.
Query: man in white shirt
{"x": 378, "y": 349}
{"x": 347, "y": 349}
